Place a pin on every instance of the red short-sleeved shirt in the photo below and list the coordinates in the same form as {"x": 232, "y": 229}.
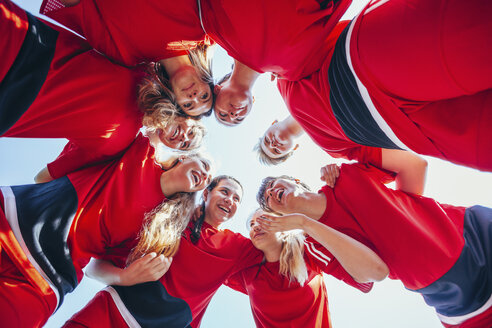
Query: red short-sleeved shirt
{"x": 86, "y": 99}
{"x": 113, "y": 200}
{"x": 285, "y": 37}
{"x": 418, "y": 238}
{"x": 277, "y": 302}
{"x": 131, "y": 32}
{"x": 308, "y": 101}
{"x": 198, "y": 270}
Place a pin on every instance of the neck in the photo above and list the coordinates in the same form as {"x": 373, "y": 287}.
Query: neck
{"x": 292, "y": 127}
{"x": 212, "y": 222}
{"x": 169, "y": 184}
{"x": 311, "y": 204}
{"x": 243, "y": 76}
{"x": 272, "y": 254}
{"x": 173, "y": 64}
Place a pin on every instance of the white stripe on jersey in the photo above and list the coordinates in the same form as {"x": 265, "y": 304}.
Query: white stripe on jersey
{"x": 462, "y": 318}
{"x": 13, "y": 220}
{"x": 317, "y": 253}
{"x": 127, "y": 316}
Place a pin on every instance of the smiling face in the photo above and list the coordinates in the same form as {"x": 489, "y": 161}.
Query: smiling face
{"x": 194, "y": 173}
{"x": 181, "y": 134}
{"x": 192, "y": 94}
{"x": 260, "y": 238}
{"x": 232, "y": 103}
{"x": 281, "y": 196}
{"x": 277, "y": 143}
{"x": 222, "y": 201}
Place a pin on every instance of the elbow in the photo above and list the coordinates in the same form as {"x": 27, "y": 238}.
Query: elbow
{"x": 381, "y": 271}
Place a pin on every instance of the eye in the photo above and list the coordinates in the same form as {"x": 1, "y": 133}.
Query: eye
{"x": 184, "y": 145}
{"x": 191, "y": 133}
{"x": 277, "y": 151}
{"x": 187, "y": 105}
{"x": 222, "y": 115}
{"x": 205, "y": 96}
{"x": 240, "y": 119}
{"x": 266, "y": 141}
{"x": 236, "y": 199}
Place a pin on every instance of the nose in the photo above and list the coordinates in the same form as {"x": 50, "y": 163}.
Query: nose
{"x": 270, "y": 192}
{"x": 207, "y": 177}
{"x": 256, "y": 226}
{"x": 183, "y": 136}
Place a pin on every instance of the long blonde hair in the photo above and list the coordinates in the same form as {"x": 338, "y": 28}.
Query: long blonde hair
{"x": 163, "y": 226}
{"x": 292, "y": 264}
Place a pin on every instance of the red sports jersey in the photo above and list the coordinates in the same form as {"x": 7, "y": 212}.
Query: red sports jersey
{"x": 14, "y": 20}
{"x": 113, "y": 200}
{"x": 131, "y": 32}
{"x": 308, "y": 101}
{"x": 86, "y": 99}
{"x": 277, "y": 302}
{"x": 418, "y": 238}
{"x": 198, "y": 270}
{"x": 284, "y": 37}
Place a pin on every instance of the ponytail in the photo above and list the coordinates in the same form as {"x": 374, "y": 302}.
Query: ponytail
{"x": 292, "y": 264}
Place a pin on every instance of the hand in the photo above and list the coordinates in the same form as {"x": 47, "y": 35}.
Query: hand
{"x": 147, "y": 268}
{"x": 329, "y": 174}
{"x": 287, "y": 222}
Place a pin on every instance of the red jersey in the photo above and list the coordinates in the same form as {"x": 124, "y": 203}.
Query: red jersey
{"x": 86, "y": 99}
{"x": 308, "y": 101}
{"x": 284, "y": 37}
{"x": 113, "y": 200}
{"x": 418, "y": 238}
{"x": 198, "y": 270}
{"x": 132, "y": 32}
{"x": 277, "y": 302}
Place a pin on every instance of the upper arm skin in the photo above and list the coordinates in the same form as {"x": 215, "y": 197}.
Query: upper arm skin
{"x": 410, "y": 169}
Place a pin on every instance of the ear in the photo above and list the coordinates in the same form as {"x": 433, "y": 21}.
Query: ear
{"x": 205, "y": 194}
{"x": 275, "y": 122}
{"x": 217, "y": 89}
{"x": 181, "y": 158}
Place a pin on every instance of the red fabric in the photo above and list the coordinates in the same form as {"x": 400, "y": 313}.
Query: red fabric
{"x": 308, "y": 101}
{"x": 131, "y": 32}
{"x": 431, "y": 83}
{"x": 277, "y": 302}
{"x": 113, "y": 199}
{"x": 285, "y": 37}
{"x": 86, "y": 99}
{"x": 418, "y": 238}
{"x": 14, "y": 20}
{"x": 21, "y": 286}
{"x": 480, "y": 321}
{"x": 100, "y": 312}
{"x": 199, "y": 270}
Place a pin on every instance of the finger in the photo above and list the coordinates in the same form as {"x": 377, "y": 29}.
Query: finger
{"x": 146, "y": 258}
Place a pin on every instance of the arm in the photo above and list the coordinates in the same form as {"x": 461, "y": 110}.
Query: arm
{"x": 146, "y": 268}
{"x": 410, "y": 169}
{"x": 43, "y": 176}
{"x": 363, "y": 264}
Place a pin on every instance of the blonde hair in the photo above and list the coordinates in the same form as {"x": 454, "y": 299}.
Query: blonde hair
{"x": 267, "y": 160}
{"x": 292, "y": 264}
{"x": 163, "y": 226}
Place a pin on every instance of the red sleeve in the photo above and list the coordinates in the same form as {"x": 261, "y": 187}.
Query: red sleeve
{"x": 247, "y": 254}
{"x": 74, "y": 157}
{"x": 362, "y": 154}
{"x": 321, "y": 257}
{"x": 236, "y": 282}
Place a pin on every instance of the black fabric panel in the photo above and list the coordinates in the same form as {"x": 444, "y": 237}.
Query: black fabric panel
{"x": 45, "y": 213}
{"x": 24, "y": 80}
{"x": 152, "y": 306}
{"x": 347, "y": 104}
{"x": 468, "y": 284}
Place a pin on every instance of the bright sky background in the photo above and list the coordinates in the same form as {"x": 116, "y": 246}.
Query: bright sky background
{"x": 387, "y": 305}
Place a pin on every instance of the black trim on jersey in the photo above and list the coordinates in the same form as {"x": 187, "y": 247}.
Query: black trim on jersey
{"x": 45, "y": 213}
{"x": 467, "y": 286}
{"x": 152, "y": 306}
{"x": 347, "y": 104}
{"x": 24, "y": 80}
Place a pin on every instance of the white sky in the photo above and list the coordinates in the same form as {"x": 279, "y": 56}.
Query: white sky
{"x": 388, "y": 305}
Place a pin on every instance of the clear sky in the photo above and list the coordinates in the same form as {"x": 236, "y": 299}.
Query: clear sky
{"x": 388, "y": 305}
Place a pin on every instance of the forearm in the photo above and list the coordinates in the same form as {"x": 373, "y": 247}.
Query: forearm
{"x": 410, "y": 169}
{"x": 363, "y": 264}
{"x": 43, "y": 176}
{"x": 105, "y": 272}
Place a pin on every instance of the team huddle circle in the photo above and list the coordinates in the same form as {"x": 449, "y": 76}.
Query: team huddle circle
{"x": 155, "y": 196}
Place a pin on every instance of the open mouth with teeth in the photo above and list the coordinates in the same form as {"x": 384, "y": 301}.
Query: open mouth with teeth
{"x": 197, "y": 178}
{"x": 224, "y": 209}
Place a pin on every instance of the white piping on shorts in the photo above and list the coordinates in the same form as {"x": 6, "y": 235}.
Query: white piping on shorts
{"x": 127, "y": 316}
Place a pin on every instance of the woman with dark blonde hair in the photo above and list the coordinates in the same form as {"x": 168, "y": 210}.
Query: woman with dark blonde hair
{"x": 207, "y": 256}
{"x": 50, "y": 231}
{"x": 287, "y": 288}
{"x": 59, "y": 87}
